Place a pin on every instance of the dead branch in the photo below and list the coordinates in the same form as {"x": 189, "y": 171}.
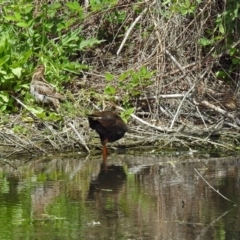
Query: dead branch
{"x": 212, "y": 186}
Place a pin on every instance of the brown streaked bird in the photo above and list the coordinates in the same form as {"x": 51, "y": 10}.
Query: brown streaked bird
{"x": 230, "y": 103}
{"x": 109, "y": 126}
{"x": 42, "y": 91}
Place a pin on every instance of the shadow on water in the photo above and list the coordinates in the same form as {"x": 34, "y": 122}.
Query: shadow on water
{"x": 109, "y": 179}
{"x": 133, "y": 197}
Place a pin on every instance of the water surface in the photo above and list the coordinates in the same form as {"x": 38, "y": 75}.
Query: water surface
{"x": 134, "y": 197}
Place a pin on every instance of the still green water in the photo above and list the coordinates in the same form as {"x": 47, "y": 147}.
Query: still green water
{"x": 136, "y": 197}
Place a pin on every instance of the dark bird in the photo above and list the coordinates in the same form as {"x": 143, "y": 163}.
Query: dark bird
{"x": 109, "y": 126}
{"x": 42, "y": 91}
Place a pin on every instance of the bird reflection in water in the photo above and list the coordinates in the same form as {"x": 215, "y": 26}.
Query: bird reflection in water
{"x": 107, "y": 182}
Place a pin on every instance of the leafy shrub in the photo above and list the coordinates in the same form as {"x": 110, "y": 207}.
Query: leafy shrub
{"x": 47, "y": 33}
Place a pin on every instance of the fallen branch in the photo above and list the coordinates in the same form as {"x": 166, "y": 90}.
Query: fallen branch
{"x": 215, "y": 108}
{"x": 212, "y": 186}
{"x": 146, "y": 123}
{"x": 130, "y": 29}
{"x": 82, "y": 141}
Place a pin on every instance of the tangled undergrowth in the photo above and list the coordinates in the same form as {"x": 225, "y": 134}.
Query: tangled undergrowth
{"x": 170, "y": 69}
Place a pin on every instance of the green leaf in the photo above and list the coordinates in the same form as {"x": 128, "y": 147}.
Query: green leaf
{"x": 54, "y": 6}
{"x": 3, "y": 72}
{"x": 129, "y": 111}
{"x": 235, "y": 60}
{"x": 17, "y": 16}
{"x": 28, "y": 8}
{"x": 22, "y": 24}
{"x": 35, "y": 110}
{"x": 166, "y": 2}
{"x": 75, "y": 6}
{"x": 71, "y": 37}
{"x": 25, "y": 56}
{"x": 144, "y": 70}
{"x": 221, "y": 28}
{"x": 10, "y": 18}
{"x": 3, "y": 108}
{"x": 20, "y": 86}
{"x": 110, "y": 90}
{"x": 49, "y": 116}
{"x": 109, "y": 77}
{"x": 235, "y": 12}
{"x": 126, "y": 114}
{"x": 123, "y": 76}
{"x": 221, "y": 74}
{"x": 17, "y": 71}
{"x": 4, "y": 59}
{"x": 232, "y": 51}
{"x": 204, "y": 41}
{"x": 73, "y": 67}
{"x": 4, "y": 96}
{"x": 89, "y": 43}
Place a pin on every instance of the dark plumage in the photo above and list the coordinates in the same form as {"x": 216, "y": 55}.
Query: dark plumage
{"x": 109, "y": 126}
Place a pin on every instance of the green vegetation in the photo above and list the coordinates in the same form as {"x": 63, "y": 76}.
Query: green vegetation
{"x": 42, "y": 33}
{"x": 141, "y": 58}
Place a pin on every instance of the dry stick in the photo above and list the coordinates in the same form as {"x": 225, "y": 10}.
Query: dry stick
{"x": 233, "y": 46}
{"x": 168, "y": 53}
{"x": 190, "y": 65}
{"x": 206, "y": 140}
{"x": 217, "y": 109}
{"x": 181, "y": 103}
{"x": 21, "y": 140}
{"x": 232, "y": 125}
{"x": 21, "y": 103}
{"x": 76, "y": 169}
{"x": 130, "y": 29}
{"x": 146, "y": 123}
{"x": 219, "y": 124}
{"x": 79, "y": 136}
{"x": 180, "y": 67}
{"x": 171, "y": 56}
{"x": 180, "y": 106}
{"x": 86, "y": 3}
{"x": 204, "y": 123}
{"x": 211, "y": 224}
{"x": 202, "y": 10}
{"x": 19, "y": 144}
{"x": 165, "y": 96}
{"x": 53, "y": 143}
{"x": 94, "y": 105}
{"x": 7, "y": 145}
{"x": 7, "y": 162}
{"x": 10, "y": 154}
{"x": 236, "y": 43}
{"x": 212, "y": 186}
{"x": 165, "y": 111}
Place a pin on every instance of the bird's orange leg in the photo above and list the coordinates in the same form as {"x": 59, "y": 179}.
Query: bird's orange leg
{"x": 105, "y": 152}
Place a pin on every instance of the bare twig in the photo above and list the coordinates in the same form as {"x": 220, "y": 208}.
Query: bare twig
{"x": 180, "y": 105}
{"x": 130, "y": 29}
{"x": 212, "y": 186}
{"x": 211, "y": 224}
{"x": 146, "y": 123}
{"x": 206, "y": 140}
{"x": 217, "y": 109}
{"x": 82, "y": 141}
{"x": 45, "y": 124}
